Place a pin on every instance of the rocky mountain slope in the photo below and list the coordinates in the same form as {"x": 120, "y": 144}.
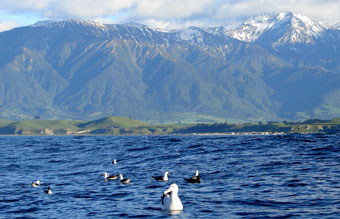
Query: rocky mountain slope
{"x": 270, "y": 67}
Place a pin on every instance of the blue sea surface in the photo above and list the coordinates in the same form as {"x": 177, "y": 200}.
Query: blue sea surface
{"x": 270, "y": 176}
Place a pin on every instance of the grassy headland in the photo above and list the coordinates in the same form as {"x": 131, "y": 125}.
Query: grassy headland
{"x": 125, "y": 126}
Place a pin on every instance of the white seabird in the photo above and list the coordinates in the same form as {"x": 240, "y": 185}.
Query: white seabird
{"x": 114, "y": 162}
{"x": 170, "y": 199}
{"x": 48, "y": 191}
{"x": 124, "y": 181}
{"x": 36, "y": 183}
{"x": 162, "y": 178}
{"x": 195, "y": 179}
{"x": 108, "y": 176}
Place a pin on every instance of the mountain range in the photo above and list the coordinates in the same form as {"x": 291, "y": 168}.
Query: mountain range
{"x": 271, "y": 67}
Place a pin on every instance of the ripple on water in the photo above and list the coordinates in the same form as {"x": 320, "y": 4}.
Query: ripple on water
{"x": 242, "y": 176}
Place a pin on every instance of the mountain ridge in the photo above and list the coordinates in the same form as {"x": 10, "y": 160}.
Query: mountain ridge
{"x": 80, "y": 69}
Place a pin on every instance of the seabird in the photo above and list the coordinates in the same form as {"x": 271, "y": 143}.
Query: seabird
{"x": 48, "y": 191}
{"x": 36, "y": 183}
{"x": 170, "y": 199}
{"x": 195, "y": 179}
{"x": 162, "y": 178}
{"x": 124, "y": 181}
{"x": 108, "y": 176}
{"x": 114, "y": 162}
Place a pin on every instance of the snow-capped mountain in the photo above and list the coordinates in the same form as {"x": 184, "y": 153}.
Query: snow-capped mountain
{"x": 61, "y": 24}
{"x": 337, "y": 26}
{"x": 251, "y": 29}
{"x": 281, "y": 29}
{"x": 269, "y": 67}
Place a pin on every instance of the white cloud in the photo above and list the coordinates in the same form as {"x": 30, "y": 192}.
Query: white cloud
{"x": 173, "y": 9}
{"x": 326, "y": 10}
{"x": 90, "y": 8}
{"x": 169, "y": 13}
{"x": 7, "y": 25}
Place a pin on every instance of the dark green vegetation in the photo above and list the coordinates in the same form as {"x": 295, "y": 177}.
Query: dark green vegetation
{"x": 109, "y": 125}
{"x": 79, "y": 70}
{"x": 126, "y": 126}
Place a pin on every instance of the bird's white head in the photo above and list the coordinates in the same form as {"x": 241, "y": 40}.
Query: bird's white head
{"x": 106, "y": 174}
{"x": 172, "y": 188}
{"x": 166, "y": 173}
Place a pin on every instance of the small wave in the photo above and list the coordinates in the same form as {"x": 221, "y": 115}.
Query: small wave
{"x": 139, "y": 149}
{"x": 274, "y": 163}
{"x": 263, "y": 203}
{"x": 139, "y": 216}
{"x": 328, "y": 148}
{"x": 155, "y": 186}
{"x": 24, "y": 211}
{"x": 175, "y": 140}
{"x": 82, "y": 196}
{"x": 9, "y": 200}
{"x": 153, "y": 208}
{"x": 195, "y": 146}
{"x": 54, "y": 161}
{"x": 294, "y": 183}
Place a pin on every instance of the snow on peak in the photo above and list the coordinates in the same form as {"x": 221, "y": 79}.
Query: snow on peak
{"x": 42, "y": 23}
{"x": 337, "y": 26}
{"x": 251, "y": 29}
{"x": 62, "y": 24}
{"x": 296, "y": 28}
{"x": 191, "y": 34}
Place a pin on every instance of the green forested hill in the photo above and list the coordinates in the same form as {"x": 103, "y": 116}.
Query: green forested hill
{"x": 126, "y": 126}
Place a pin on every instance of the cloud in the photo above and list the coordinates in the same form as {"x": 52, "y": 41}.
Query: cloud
{"x": 173, "y": 9}
{"x": 169, "y": 13}
{"x": 59, "y": 9}
{"x": 7, "y": 25}
{"x": 326, "y": 10}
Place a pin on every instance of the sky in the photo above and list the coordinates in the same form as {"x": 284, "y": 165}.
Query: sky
{"x": 165, "y": 14}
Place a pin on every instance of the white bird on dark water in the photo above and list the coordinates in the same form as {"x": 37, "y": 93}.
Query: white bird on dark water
{"x": 36, "y": 183}
{"x": 108, "y": 176}
{"x": 170, "y": 199}
{"x": 49, "y": 191}
{"x": 114, "y": 162}
{"x": 162, "y": 178}
{"x": 124, "y": 181}
{"x": 195, "y": 179}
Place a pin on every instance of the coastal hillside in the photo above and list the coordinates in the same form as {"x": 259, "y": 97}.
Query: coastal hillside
{"x": 126, "y": 126}
{"x": 270, "y": 68}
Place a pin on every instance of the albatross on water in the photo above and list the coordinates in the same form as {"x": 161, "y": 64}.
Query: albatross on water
{"x": 48, "y": 191}
{"x": 162, "y": 178}
{"x": 195, "y": 179}
{"x": 170, "y": 199}
{"x": 108, "y": 176}
{"x": 36, "y": 183}
{"x": 124, "y": 181}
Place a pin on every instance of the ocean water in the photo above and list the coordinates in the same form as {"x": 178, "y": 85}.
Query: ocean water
{"x": 282, "y": 176}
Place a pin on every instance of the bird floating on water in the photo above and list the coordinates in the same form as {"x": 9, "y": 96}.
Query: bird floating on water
{"x": 162, "y": 178}
{"x": 124, "y": 181}
{"x": 36, "y": 183}
{"x": 48, "y": 191}
{"x": 195, "y": 179}
{"x": 114, "y": 162}
{"x": 108, "y": 176}
{"x": 170, "y": 199}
